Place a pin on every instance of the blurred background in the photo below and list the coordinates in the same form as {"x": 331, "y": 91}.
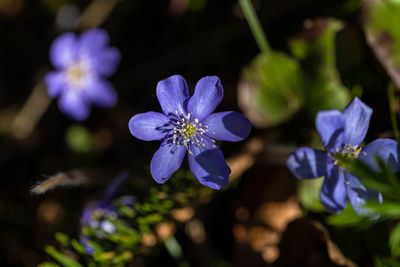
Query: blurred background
{"x": 320, "y": 54}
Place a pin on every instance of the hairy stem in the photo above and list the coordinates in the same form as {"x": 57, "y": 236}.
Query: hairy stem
{"x": 255, "y": 26}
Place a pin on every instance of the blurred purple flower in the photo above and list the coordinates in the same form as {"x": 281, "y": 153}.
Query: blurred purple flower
{"x": 188, "y": 124}
{"x": 342, "y": 133}
{"x": 98, "y": 215}
{"x": 82, "y": 65}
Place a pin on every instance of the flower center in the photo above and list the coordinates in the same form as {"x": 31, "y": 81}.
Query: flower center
{"x": 348, "y": 151}
{"x": 188, "y": 131}
{"x": 77, "y": 73}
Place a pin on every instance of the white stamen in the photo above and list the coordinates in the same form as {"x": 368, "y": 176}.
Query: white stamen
{"x": 348, "y": 151}
{"x": 188, "y": 131}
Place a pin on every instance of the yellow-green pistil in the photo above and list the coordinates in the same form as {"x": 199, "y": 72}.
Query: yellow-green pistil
{"x": 77, "y": 72}
{"x": 188, "y": 131}
{"x": 348, "y": 152}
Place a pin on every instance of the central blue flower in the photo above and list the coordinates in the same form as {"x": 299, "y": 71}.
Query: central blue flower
{"x": 342, "y": 133}
{"x": 188, "y": 124}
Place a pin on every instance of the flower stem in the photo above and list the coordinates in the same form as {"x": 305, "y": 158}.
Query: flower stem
{"x": 31, "y": 113}
{"x": 393, "y": 117}
{"x": 96, "y": 13}
{"x": 255, "y": 26}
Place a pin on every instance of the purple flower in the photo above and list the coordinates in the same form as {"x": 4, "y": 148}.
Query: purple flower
{"x": 342, "y": 133}
{"x": 82, "y": 65}
{"x": 188, "y": 124}
{"x": 98, "y": 215}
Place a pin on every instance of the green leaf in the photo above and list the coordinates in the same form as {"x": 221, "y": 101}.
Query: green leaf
{"x": 96, "y": 247}
{"x": 386, "y": 262}
{"x": 146, "y": 222}
{"x": 382, "y": 28}
{"x": 317, "y": 54}
{"x": 122, "y": 258}
{"x": 173, "y": 247}
{"x": 77, "y": 246}
{"x": 197, "y": 5}
{"x": 386, "y": 209}
{"x": 104, "y": 257}
{"x": 359, "y": 169}
{"x": 126, "y": 211}
{"x": 270, "y": 89}
{"x": 385, "y": 181}
{"x": 48, "y": 264}
{"x": 275, "y": 86}
{"x": 79, "y": 139}
{"x": 92, "y": 263}
{"x": 389, "y": 177}
{"x": 347, "y": 218}
{"x": 62, "y": 238}
{"x": 125, "y": 236}
{"x": 61, "y": 258}
{"x": 394, "y": 240}
{"x": 385, "y": 19}
{"x": 308, "y": 192}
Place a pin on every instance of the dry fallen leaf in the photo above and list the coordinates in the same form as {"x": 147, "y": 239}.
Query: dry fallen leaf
{"x": 307, "y": 243}
{"x": 381, "y": 41}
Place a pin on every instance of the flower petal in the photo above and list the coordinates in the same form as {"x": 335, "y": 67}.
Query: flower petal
{"x": 100, "y": 92}
{"x": 207, "y": 96}
{"x": 307, "y": 163}
{"x": 55, "y": 82}
{"x": 227, "y": 126}
{"x": 73, "y": 104}
{"x": 209, "y": 166}
{"x": 149, "y": 126}
{"x": 333, "y": 191}
{"x": 330, "y": 126}
{"x": 167, "y": 159}
{"x": 85, "y": 241}
{"x": 94, "y": 44}
{"x": 172, "y": 93}
{"x": 93, "y": 39}
{"x": 356, "y": 116}
{"x": 63, "y": 50}
{"x": 359, "y": 195}
{"x": 106, "y": 62}
{"x": 384, "y": 148}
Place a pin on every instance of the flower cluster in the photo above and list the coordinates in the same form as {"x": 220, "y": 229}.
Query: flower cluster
{"x": 82, "y": 65}
{"x": 342, "y": 133}
{"x": 188, "y": 124}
